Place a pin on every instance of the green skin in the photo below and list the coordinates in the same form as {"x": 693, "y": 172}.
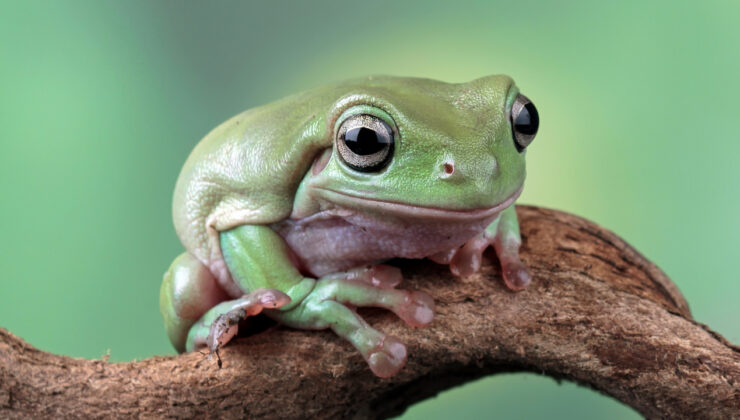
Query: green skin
{"x": 454, "y": 165}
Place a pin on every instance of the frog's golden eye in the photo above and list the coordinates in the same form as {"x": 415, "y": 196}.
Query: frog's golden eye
{"x": 524, "y": 122}
{"x": 365, "y": 142}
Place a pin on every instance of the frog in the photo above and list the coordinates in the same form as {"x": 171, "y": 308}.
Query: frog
{"x": 293, "y": 208}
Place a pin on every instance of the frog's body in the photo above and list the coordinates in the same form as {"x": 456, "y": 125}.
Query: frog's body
{"x": 285, "y": 194}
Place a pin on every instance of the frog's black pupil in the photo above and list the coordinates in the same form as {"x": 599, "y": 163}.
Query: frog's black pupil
{"x": 365, "y": 141}
{"x": 527, "y": 121}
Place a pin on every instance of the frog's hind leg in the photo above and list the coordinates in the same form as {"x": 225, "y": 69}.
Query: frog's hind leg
{"x": 188, "y": 291}
{"x": 331, "y": 303}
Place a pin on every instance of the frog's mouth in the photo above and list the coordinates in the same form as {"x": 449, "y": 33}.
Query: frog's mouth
{"x": 409, "y": 210}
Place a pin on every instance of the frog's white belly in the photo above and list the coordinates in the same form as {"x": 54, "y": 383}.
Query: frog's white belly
{"x": 330, "y": 242}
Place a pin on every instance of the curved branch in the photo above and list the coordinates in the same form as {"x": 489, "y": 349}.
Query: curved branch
{"x": 596, "y": 313}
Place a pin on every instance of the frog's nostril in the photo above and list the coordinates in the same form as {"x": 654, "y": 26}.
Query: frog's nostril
{"x": 449, "y": 168}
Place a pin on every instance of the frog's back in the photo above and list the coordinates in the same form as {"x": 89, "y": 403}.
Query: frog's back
{"x": 245, "y": 171}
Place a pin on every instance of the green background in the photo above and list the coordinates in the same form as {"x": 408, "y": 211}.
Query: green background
{"x": 101, "y": 102}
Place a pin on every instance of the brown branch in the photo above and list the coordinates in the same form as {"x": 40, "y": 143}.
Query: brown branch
{"x": 596, "y": 313}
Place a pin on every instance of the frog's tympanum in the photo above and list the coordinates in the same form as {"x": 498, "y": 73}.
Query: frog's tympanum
{"x": 289, "y": 208}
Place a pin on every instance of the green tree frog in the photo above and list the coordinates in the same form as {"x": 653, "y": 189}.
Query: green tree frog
{"x": 290, "y": 208}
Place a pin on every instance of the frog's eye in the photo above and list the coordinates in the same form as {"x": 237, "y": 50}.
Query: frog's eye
{"x": 524, "y": 121}
{"x": 365, "y": 142}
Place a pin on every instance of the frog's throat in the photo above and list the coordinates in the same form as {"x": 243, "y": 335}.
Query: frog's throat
{"x": 350, "y": 200}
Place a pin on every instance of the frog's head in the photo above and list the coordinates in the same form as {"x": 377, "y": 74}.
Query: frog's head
{"x": 426, "y": 148}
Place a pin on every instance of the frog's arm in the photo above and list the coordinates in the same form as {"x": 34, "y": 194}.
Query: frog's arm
{"x": 503, "y": 234}
{"x": 258, "y": 258}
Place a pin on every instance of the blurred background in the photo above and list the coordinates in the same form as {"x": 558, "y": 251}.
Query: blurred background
{"x": 101, "y": 102}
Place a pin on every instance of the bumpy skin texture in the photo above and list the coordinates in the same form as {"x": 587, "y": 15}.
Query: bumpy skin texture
{"x": 265, "y": 202}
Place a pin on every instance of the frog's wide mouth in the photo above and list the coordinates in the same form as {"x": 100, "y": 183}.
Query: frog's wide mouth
{"x": 409, "y": 210}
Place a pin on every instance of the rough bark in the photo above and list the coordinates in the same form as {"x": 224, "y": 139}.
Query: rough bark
{"x": 597, "y": 313}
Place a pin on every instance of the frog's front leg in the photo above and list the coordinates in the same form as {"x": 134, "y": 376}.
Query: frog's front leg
{"x": 503, "y": 234}
{"x": 258, "y": 257}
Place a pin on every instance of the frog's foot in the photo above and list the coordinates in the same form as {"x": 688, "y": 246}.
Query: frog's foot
{"x": 221, "y": 323}
{"x": 467, "y": 260}
{"x": 331, "y": 305}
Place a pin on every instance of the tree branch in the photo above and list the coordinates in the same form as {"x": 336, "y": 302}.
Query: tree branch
{"x": 597, "y": 313}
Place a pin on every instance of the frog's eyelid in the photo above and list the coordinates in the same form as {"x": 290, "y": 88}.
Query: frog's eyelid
{"x": 361, "y": 104}
{"x": 511, "y": 96}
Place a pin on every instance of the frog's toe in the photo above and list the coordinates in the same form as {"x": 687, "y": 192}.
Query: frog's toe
{"x": 417, "y": 309}
{"x": 516, "y": 276}
{"x": 223, "y": 329}
{"x": 444, "y": 257}
{"x": 260, "y": 299}
{"x": 387, "y": 358}
{"x": 383, "y": 276}
{"x": 380, "y": 276}
{"x": 465, "y": 266}
{"x": 467, "y": 260}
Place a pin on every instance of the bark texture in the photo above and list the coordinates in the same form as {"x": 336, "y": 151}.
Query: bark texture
{"x": 597, "y": 313}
